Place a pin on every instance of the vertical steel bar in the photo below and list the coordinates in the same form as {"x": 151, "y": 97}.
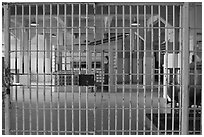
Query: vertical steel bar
{"x": 37, "y": 96}
{"x": 159, "y": 35}
{"x": 116, "y": 70}
{"x": 95, "y": 88}
{"x": 123, "y": 70}
{"x": 58, "y": 69}
{"x": 130, "y": 76}
{"x": 102, "y": 72}
{"x": 65, "y": 49}
{"x": 16, "y": 66}
{"x": 181, "y": 62}
{"x": 138, "y": 72}
{"x": 72, "y": 69}
{"x": 152, "y": 66}
{"x": 185, "y": 70}
{"x": 27, "y": 41}
{"x": 29, "y": 67}
{"x": 44, "y": 71}
{"x": 80, "y": 67}
{"x": 173, "y": 75}
{"x": 165, "y": 54}
{"x": 23, "y": 110}
{"x": 7, "y": 66}
{"x": 51, "y": 70}
{"x": 166, "y": 61}
{"x": 87, "y": 68}
{"x": 109, "y": 68}
{"x": 144, "y": 74}
{"x": 22, "y": 39}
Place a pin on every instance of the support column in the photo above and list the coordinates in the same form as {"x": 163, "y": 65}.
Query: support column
{"x": 185, "y": 71}
{"x": 7, "y": 69}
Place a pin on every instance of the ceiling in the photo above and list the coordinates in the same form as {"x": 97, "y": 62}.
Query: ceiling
{"x": 63, "y": 16}
{"x": 91, "y": 26}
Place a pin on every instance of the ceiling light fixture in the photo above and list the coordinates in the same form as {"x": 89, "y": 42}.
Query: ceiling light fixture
{"x": 135, "y": 24}
{"x": 34, "y": 24}
{"x": 53, "y": 35}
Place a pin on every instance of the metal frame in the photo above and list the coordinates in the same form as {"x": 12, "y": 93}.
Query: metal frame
{"x": 7, "y": 68}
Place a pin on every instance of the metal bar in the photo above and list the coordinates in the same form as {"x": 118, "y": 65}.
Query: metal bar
{"x": 185, "y": 71}
{"x": 180, "y": 78}
{"x": 139, "y": 3}
{"x": 80, "y": 67}
{"x": 95, "y": 88}
{"x": 116, "y": 71}
{"x": 44, "y": 71}
{"x": 109, "y": 69}
{"x": 173, "y": 95}
{"x": 91, "y": 109}
{"x": 23, "y": 34}
{"x": 37, "y": 96}
{"x": 152, "y": 66}
{"x": 144, "y": 70}
{"x": 39, "y": 51}
{"x": 29, "y": 68}
{"x": 22, "y": 37}
{"x": 16, "y": 66}
{"x": 65, "y": 49}
{"x": 108, "y": 3}
{"x": 102, "y": 74}
{"x": 11, "y": 28}
{"x": 72, "y": 69}
{"x": 164, "y": 77}
{"x": 87, "y": 68}
{"x": 138, "y": 76}
{"x": 58, "y": 69}
{"x": 51, "y": 70}
{"x": 7, "y": 66}
{"x": 123, "y": 71}
{"x": 130, "y": 76}
{"x": 125, "y": 27}
{"x": 159, "y": 35}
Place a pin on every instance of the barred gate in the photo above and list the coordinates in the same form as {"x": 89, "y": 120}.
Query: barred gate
{"x": 102, "y": 68}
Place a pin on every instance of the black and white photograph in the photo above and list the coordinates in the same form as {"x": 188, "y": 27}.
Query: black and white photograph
{"x": 101, "y": 68}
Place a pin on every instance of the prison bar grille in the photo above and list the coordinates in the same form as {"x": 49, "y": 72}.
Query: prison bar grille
{"x": 99, "y": 68}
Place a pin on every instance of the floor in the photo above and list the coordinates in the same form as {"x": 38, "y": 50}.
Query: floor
{"x": 45, "y": 111}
